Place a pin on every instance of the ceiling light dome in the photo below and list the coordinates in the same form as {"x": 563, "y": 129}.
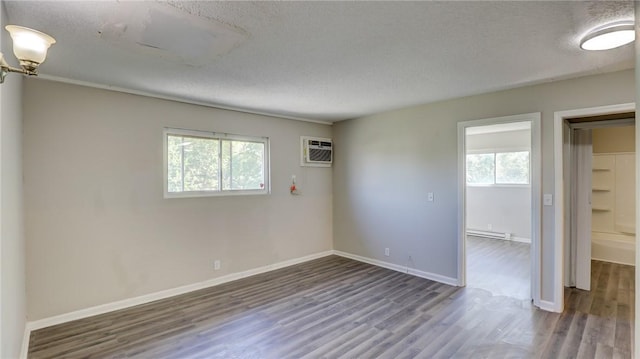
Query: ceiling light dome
{"x": 609, "y": 36}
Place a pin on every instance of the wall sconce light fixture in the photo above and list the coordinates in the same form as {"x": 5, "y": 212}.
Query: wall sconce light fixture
{"x": 30, "y": 47}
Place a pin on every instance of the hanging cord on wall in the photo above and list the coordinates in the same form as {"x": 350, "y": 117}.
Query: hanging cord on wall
{"x": 409, "y": 262}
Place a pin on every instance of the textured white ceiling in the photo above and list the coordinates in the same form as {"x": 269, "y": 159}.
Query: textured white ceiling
{"x": 323, "y": 61}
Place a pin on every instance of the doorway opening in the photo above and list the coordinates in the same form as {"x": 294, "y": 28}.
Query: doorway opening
{"x": 599, "y": 161}
{"x": 498, "y": 208}
{"x": 499, "y": 188}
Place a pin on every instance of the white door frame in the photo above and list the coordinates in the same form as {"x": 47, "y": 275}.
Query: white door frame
{"x": 558, "y": 260}
{"x": 536, "y": 190}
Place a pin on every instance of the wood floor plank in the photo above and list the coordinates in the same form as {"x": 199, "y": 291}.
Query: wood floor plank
{"x": 335, "y": 307}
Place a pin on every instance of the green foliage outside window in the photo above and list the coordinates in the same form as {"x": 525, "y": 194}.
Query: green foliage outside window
{"x": 512, "y": 167}
{"x": 480, "y": 168}
{"x": 202, "y": 164}
{"x": 242, "y": 165}
{"x": 498, "y": 168}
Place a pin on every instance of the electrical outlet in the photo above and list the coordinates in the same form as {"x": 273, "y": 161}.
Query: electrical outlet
{"x": 489, "y": 226}
{"x": 430, "y": 196}
{"x": 216, "y": 264}
{"x": 386, "y": 252}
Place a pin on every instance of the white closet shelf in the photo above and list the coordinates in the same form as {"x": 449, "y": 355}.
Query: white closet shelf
{"x": 601, "y": 189}
{"x": 629, "y": 229}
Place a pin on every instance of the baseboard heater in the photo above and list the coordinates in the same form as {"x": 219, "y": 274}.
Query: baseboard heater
{"x": 489, "y": 234}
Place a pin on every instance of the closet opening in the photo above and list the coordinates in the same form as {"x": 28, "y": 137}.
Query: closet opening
{"x": 599, "y": 160}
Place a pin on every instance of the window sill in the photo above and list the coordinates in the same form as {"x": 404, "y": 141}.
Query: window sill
{"x": 214, "y": 194}
{"x": 499, "y": 185}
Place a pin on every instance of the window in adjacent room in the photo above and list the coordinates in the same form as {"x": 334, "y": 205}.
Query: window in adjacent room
{"x": 499, "y": 168}
{"x": 199, "y": 163}
{"x": 512, "y": 167}
{"x": 481, "y": 168}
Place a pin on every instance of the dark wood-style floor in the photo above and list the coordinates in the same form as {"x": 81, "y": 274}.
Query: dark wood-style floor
{"x": 339, "y": 308}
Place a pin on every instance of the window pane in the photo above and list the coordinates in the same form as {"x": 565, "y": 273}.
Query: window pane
{"x": 192, "y": 164}
{"x": 480, "y": 168}
{"x": 242, "y": 165}
{"x": 226, "y": 165}
{"x": 512, "y": 167}
{"x": 201, "y": 164}
{"x": 174, "y": 163}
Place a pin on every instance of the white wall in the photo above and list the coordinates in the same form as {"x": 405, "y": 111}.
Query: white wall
{"x": 98, "y": 229}
{"x": 13, "y": 301}
{"x": 506, "y": 208}
{"x": 508, "y": 140}
{"x": 387, "y": 163}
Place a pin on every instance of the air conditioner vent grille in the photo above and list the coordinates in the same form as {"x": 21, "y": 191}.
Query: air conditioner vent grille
{"x": 320, "y": 155}
{"x": 316, "y": 152}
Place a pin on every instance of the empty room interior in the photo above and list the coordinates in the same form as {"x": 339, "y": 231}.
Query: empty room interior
{"x": 195, "y": 179}
{"x": 498, "y": 208}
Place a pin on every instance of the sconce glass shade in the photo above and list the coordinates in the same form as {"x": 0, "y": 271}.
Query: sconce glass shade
{"x": 30, "y": 46}
{"x": 609, "y": 36}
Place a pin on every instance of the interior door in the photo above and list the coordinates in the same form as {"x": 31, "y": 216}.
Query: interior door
{"x": 567, "y": 174}
{"x": 581, "y": 217}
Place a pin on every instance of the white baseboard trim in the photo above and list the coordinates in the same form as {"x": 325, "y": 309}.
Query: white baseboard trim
{"x": 143, "y": 299}
{"x": 521, "y": 239}
{"x": 606, "y": 259}
{"x": 399, "y": 268}
{"x": 614, "y": 248}
{"x": 497, "y": 235}
{"x": 550, "y": 306}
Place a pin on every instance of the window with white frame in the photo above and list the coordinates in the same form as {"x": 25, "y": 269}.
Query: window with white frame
{"x": 199, "y": 163}
{"x": 498, "y": 168}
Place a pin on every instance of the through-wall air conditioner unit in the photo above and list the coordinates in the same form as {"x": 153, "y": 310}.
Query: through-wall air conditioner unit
{"x": 316, "y": 152}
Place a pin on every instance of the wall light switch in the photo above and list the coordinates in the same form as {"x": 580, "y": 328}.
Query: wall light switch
{"x": 548, "y": 199}
{"x": 430, "y": 196}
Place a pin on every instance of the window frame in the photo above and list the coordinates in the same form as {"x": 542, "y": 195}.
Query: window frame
{"x": 495, "y": 152}
{"x": 167, "y": 131}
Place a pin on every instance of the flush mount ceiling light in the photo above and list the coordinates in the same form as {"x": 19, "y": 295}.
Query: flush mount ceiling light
{"x": 609, "y": 36}
{"x": 30, "y": 47}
